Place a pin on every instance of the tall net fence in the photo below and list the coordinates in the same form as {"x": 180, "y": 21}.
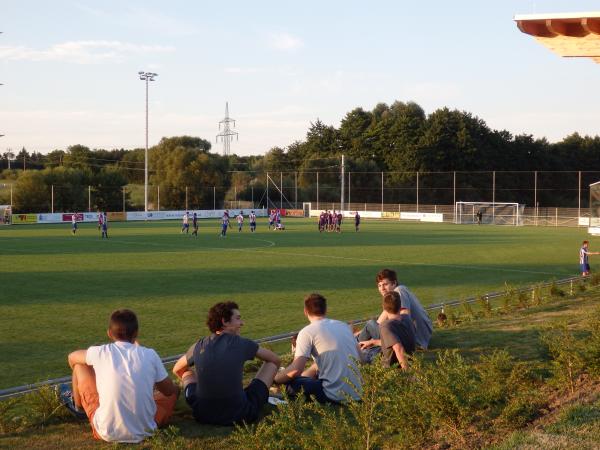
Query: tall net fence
{"x": 539, "y": 191}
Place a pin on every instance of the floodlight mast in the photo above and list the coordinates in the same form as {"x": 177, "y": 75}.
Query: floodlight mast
{"x": 146, "y": 76}
{"x": 227, "y": 134}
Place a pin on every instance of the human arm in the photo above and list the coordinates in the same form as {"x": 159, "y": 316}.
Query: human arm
{"x": 77, "y": 357}
{"x": 369, "y": 343}
{"x": 400, "y": 355}
{"x": 267, "y": 355}
{"x": 382, "y": 317}
{"x": 181, "y": 366}
{"x": 292, "y": 371}
{"x": 167, "y": 387}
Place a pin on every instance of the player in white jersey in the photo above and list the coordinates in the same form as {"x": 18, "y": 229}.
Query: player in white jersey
{"x": 252, "y": 218}
{"x": 74, "y": 223}
{"x": 240, "y": 220}
{"x": 104, "y": 225}
{"x": 185, "y": 227}
{"x": 584, "y": 261}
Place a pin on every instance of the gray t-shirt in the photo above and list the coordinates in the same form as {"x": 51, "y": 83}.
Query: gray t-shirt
{"x": 219, "y": 360}
{"x": 420, "y": 318}
{"x": 333, "y": 347}
{"x": 396, "y": 331}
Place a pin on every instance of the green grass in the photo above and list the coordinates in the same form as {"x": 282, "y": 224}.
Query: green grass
{"x": 57, "y": 290}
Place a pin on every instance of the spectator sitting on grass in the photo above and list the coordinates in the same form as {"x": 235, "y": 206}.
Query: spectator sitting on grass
{"x": 113, "y": 385}
{"x": 369, "y": 337}
{"x": 335, "y": 352}
{"x": 214, "y": 388}
{"x": 397, "y": 332}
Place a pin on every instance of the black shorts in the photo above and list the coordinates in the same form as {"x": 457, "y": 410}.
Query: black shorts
{"x": 222, "y": 411}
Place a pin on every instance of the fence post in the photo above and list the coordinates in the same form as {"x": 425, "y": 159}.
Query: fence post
{"x": 89, "y": 198}
{"x": 454, "y": 195}
{"x": 296, "y": 190}
{"x": 214, "y": 198}
{"x": 186, "y": 197}
{"x": 123, "y": 199}
{"x": 52, "y": 199}
{"x": 535, "y": 202}
{"x": 579, "y": 199}
{"x": 11, "y": 196}
{"x": 494, "y": 196}
{"x": 555, "y": 217}
{"x": 317, "y": 190}
{"x": 349, "y": 207}
{"x": 382, "y": 191}
{"x": 252, "y": 194}
{"x": 417, "y": 191}
{"x": 280, "y": 190}
{"x": 158, "y": 197}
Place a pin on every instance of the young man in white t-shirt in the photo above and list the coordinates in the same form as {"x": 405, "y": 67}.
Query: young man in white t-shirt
{"x": 114, "y": 384}
{"x": 335, "y": 352}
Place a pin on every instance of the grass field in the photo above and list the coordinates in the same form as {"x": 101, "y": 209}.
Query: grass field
{"x": 57, "y": 290}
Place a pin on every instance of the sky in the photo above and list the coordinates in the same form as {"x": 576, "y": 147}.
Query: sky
{"x": 69, "y": 68}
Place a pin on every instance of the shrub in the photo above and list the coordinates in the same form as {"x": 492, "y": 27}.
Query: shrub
{"x": 555, "y": 291}
{"x": 592, "y": 345}
{"x": 567, "y": 355}
{"x": 468, "y": 310}
{"x": 484, "y": 304}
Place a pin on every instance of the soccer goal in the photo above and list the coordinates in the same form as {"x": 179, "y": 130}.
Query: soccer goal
{"x": 5, "y": 214}
{"x": 594, "y": 226}
{"x": 489, "y": 213}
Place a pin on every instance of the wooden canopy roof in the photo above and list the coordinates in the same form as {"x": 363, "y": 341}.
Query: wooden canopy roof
{"x": 570, "y": 34}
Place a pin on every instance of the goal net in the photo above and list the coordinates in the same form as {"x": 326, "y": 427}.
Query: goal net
{"x": 594, "y": 226}
{"x": 489, "y": 213}
{"x": 5, "y": 214}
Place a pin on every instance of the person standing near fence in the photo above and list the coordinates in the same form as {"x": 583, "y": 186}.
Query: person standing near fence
{"x": 104, "y": 225}
{"x": 74, "y": 223}
{"x": 584, "y": 261}
{"x": 195, "y": 225}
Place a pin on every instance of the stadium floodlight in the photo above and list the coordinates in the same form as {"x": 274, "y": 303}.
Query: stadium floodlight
{"x": 491, "y": 213}
{"x": 146, "y": 76}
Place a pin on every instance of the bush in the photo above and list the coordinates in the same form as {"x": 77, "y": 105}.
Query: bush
{"x": 567, "y": 355}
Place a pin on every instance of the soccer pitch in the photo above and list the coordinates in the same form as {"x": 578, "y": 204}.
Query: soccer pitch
{"x": 57, "y": 290}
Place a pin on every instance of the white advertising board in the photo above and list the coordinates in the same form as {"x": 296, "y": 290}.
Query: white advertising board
{"x": 584, "y": 221}
{"x": 200, "y": 213}
{"x": 423, "y": 217}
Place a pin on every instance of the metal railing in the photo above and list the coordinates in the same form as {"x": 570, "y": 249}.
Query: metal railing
{"x": 27, "y": 388}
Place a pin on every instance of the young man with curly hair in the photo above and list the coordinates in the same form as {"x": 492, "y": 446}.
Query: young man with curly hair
{"x": 212, "y": 371}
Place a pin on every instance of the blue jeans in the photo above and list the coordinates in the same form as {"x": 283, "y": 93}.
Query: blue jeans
{"x": 312, "y": 387}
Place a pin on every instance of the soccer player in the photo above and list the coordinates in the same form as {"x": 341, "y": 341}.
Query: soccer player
{"x": 252, "y": 218}
{"x": 113, "y": 385}
{"x": 271, "y": 219}
{"x": 584, "y": 261}
{"x": 224, "y": 223}
{"x": 340, "y": 217}
{"x": 356, "y": 221}
{"x": 104, "y": 225}
{"x": 186, "y": 223}
{"x": 100, "y": 219}
{"x": 195, "y": 225}
{"x": 74, "y": 223}
{"x": 240, "y": 221}
{"x": 212, "y": 371}
{"x": 335, "y": 352}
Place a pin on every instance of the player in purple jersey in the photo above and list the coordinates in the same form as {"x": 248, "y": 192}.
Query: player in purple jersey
{"x": 195, "y": 225}
{"x": 356, "y": 221}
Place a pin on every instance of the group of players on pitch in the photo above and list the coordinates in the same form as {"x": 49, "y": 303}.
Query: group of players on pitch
{"x": 124, "y": 391}
{"x": 332, "y": 221}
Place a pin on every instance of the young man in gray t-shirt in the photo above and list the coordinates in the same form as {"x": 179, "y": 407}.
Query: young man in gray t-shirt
{"x": 335, "y": 352}
{"x": 397, "y": 332}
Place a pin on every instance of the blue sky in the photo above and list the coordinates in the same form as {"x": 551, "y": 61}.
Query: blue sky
{"x": 69, "y": 68}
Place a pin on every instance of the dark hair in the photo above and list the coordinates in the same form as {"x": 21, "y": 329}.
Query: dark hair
{"x": 123, "y": 325}
{"x": 219, "y": 313}
{"x": 386, "y": 274}
{"x": 391, "y": 302}
{"x": 315, "y": 304}
{"x": 585, "y": 242}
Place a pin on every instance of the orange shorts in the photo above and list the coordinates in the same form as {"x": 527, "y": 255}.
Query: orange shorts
{"x": 90, "y": 402}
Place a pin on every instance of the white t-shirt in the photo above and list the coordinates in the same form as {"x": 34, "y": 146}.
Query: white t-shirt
{"x": 240, "y": 219}
{"x": 333, "y": 347}
{"x": 125, "y": 378}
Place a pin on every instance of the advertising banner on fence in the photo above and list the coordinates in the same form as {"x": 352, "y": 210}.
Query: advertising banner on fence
{"x": 390, "y": 215}
{"x": 294, "y": 213}
{"x": 24, "y": 218}
{"x": 201, "y": 214}
{"x": 116, "y": 216}
{"x": 423, "y": 217}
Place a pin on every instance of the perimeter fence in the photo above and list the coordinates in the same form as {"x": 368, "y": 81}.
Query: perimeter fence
{"x": 547, "y": 195}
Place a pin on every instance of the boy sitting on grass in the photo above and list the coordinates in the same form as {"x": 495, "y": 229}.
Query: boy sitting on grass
{"x": 214, "y": 389}
{"x": 397, "y": 332}
{"x": 113, "y": 385}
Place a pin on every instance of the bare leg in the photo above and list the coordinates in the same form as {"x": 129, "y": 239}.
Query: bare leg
{"x": 266, "y": 373}
{"x": 82, "y": 375}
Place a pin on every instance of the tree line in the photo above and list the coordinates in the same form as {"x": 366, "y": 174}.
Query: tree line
{"x": 399, "y": 139}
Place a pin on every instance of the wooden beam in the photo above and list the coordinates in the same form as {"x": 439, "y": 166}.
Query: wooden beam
{"x": 535, "y": 28}
{"x": 591, "y": 25}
